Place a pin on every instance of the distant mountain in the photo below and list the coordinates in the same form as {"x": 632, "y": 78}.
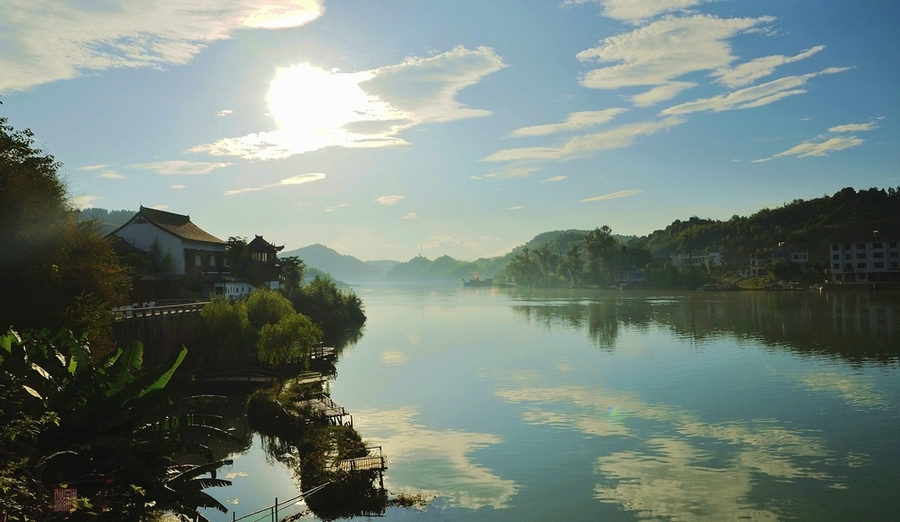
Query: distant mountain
{"x": 340, "y": 266}
{"x": 445, "y": 268}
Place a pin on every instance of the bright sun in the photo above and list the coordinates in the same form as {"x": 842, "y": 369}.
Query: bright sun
{"x": 305, "y": 99}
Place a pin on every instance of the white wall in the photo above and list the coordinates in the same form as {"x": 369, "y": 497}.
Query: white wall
{"x": 141, "y": 236}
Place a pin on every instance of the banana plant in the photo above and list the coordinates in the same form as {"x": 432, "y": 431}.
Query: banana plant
{"x": 116, "y": 431}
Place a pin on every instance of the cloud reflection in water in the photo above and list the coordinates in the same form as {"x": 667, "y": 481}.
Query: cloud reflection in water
{"x": 432, "y": 461}
{"x": 680, "y": 468}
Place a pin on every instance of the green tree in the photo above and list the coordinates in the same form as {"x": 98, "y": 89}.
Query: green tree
{"x": 293, "y": 269}
{"x": 267, "y": 306}
{"x": 599, "y": 246}
{"x": 54, "y": 271}
{"x": 112, "y": 429}
{"x": 331, "y": 309}
{"x": 227, "y": 328}
{"x": 289, "y": 340}
{"x": 574, "y": 263}
{"x": 779, "y": 270}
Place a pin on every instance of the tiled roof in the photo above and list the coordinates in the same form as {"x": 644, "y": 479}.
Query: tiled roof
{"x": 261, "y": 245}
{"x": 178, "y": 225}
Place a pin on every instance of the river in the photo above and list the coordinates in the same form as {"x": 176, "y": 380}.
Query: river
{"x": 518, "y": 405}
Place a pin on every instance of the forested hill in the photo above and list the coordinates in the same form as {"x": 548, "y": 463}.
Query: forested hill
{"x": 846, "y": 217}
{"x": 108, "y": 220}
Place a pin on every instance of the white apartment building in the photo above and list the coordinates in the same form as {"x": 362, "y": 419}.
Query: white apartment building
{"x": 711, "y": 259}
{"x": 876, "y": 260}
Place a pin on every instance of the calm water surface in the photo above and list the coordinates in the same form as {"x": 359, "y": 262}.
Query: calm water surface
{"x": 600, "y": 405}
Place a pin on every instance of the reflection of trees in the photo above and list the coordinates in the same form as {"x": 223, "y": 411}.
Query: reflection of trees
{"x": 857, "y": 326}
{"x": 601, "y": 319}
{"x": 307, "y": 443}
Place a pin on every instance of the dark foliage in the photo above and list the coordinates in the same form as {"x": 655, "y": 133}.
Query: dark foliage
{"x": 54, "y": 271}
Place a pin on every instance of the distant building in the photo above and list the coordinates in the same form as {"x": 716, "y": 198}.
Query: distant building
{"x": 265, "y": 260}
{"x": 711, "y": 259}
{"x": 190, "y": 248}
{"x": 795, "y": 256}
{"x": 873, "y": 261}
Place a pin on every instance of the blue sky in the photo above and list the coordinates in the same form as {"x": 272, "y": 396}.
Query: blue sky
{"x": 384, "y": 129}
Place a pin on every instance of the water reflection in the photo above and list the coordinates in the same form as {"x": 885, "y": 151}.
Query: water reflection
{"x": 677, "y": 466}
{"x": 857, "y": 390}
{"x": 435, "y": 462}
{"x": 855, "y": 326}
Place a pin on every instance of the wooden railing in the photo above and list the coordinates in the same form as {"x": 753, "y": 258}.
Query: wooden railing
{"x": 271, "y": 512}
{"x": 150, "y": 311}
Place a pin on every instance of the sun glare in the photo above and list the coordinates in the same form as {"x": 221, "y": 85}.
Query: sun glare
{"x": 304, "y": 99}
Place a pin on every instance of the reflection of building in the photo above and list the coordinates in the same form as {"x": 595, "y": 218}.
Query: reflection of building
{"x": 876, "y": 260}
{"x": 711, "y": 259}
{"x": 792, "y": 255}
{"x": 189, "y": 247}
{"x": 855, "y": 312}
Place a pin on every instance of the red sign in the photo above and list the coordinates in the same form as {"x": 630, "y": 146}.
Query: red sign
{"x": 64, "y": 499}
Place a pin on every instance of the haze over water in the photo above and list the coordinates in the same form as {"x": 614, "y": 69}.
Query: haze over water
{"x": 586, "y": 405}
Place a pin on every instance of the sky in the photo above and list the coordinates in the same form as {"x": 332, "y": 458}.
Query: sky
{"x": 386, "y": 129}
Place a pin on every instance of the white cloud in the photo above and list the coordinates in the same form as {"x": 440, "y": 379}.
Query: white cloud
{"x": 177, "y": 187}
{"x": 749, "y": 72}
{"x": 755, "y": 96}
{"x": 512, "y": 172}
{"x": 553, "y": 179}
{"x": 656, "y": 54}
{"x": 299, "y": 179}
{"x": 580, "y": 146}
{"x": 411, "y": 215}
{"x": 89, "y": 168}
{"x": 614, "y": 195}
{"x": 335, "y": 207}
{"x": 110, "y": 174}
{"x": 47, "y": 40}
{"x": 635, "y": 11}
{"x": 315, "y": 108}
{"x": 224, "y": 112}
{"x": 85, "y": 201}
{"x": 389, "y": 200}
{"x": 664, "y": 92}
{"x": 517, "y": 207}
{"x": 811, "y": 148}
{"x": 181, "y": 167}
{"x": 855, "y": 127}
{"x": 576, "y": 121}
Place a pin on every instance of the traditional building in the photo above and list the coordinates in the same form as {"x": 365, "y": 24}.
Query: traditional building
{"x": 873, "y": 261}
{"x": 265, "y": 261}
{"x": 190, "y": 248}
